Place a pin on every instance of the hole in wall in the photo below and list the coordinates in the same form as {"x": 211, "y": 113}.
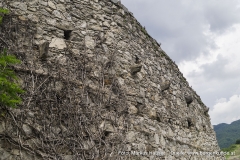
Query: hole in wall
{"x": 106, "y": 133}
{"x": 190, "y": 122}
{"x": 67, "y": 34}
{"x": 204, "y": 128}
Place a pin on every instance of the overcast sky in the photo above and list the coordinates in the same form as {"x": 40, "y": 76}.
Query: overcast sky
{"x": 203, "y": 37}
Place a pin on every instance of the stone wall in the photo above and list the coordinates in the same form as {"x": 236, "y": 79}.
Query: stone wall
{"x": 97, "y": 87}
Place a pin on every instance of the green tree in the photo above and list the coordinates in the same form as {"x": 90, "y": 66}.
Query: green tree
{"x": 2, "y": 12}
{"x": 9, "y": 89}
{"x": 237, "y": 141}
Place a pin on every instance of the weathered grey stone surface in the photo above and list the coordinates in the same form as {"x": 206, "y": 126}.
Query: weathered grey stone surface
{"x": 82, "y": 99}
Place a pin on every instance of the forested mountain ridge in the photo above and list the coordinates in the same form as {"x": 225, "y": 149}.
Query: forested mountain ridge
{"x": 227, "y": 134}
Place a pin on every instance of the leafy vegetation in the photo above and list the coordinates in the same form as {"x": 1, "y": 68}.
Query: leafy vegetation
{"x": 237, "y": 141}
{"x": 9, "y": 89}
{"x": 233, "y": 152}
{"x": 2, "y": 12}
{"x": 227, "y": 134}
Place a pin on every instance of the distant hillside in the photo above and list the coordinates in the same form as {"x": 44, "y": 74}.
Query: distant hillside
{"x": 227, "y": 134}
{"x": 233, "y": 152}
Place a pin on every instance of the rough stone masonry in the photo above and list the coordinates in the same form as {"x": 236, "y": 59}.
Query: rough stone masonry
{"x": 97, "y": 87}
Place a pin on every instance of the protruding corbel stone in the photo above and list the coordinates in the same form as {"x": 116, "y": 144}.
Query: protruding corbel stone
{"x": 206, "y": 111}
{"x": 107, "y": 127}
{"x": 165, "y": 85}
{"x": 188, "y": 99}
{"x": 43, "y": 50}
{"x": 190, "y": 122}
{"x": 115, "y": 1}
{"x": 65, "y": 27}
{"x": 135, "y": 69}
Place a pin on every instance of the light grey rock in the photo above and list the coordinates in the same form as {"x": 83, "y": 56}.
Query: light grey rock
{"x": 170, "y": 132}
{"x": 23, "y": 6}
{"x": 37, "y": 127}
{"x": 27, "y": 129}
{"x": 32, "y": 9}
{"x": 96, "y": 28}
{"x": 156, "y": 137}
{"x": 165, "y": 85}
{"x": 51, "y": 5}
{"x": 68, "y": 157}
{"x": 121, "y": 81}
{"x": 132, "y": 109}
{"x": 58, "y": 86}
{"x": 107, "y": 126}
{"x": 106, "y": 24}
{"x": 61, "y": 59}
{"x": 43, "y": 3}
{"x": 115, "y": 1}
{"x": 58, "y": 43}
{"x": 109, "y": 38}
{"x": 152, "y": 114}
{"x": 83, "y": 25}
{"x": 65, "y": 27}
{"x": 30, "y": 114}
{"x": 131, "y": 136}
{"x": 105, "y": 48}
{"x": 179, "y": 101}
{"x": 56, "y": 130}
{"x": 51, "y": 21}
{"x": 19, "y": 5}
{"x": 89, "y": 42}
{"x": 97, "y": 7}
{"x": 61, "y": 7}
{"x": 57, "y": 14}
{"x": 162, "y": 141}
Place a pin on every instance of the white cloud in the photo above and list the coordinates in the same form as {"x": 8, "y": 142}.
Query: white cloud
{"x": 228, "y": 47}
{"x": 221, "y": 100}
{"x": 226, "y": 111}
{"x": 216, "y": 74}
{"x": 181, "y": 25}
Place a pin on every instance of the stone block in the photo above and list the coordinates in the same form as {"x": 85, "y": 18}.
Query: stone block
{"x": 27, "y": 129}
{"x": 58, "y": 43}
{"x": 165, "y": 85}
{"x": 115, "y": 1}
{"x": 188, "y": 99}
{"x": 135, "y": 69}
{"x": 89, "y": 42}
